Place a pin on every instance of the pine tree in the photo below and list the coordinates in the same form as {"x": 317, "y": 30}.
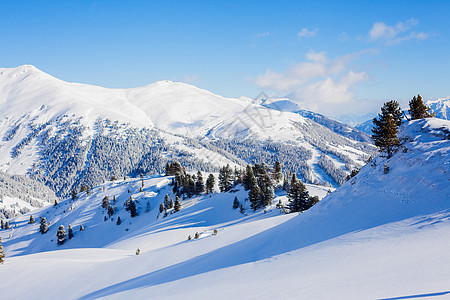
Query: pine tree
{"x": 81, "y": 227}
{"x": 199, "y": 184}
{"x": 418, "y": 110}
{"x": 277, "y": 174}
{"x": 166, "y": 201}
{"x": 119, "y": 221}
{"x": 105, "y": 202}
{"x": 254, "y": 195}
{"x": 242, "y": 209}
{"x": 171, "y": 204}
{"x": 74, "y": 194}
{"x": 2, "y": 224}
{"x": 393, "y": 108}
{"x": 210, "y": 181}
{"x": 267, "y": 191}
{"x": 70, "y": 232}
{"x": 132, "y": 208}
{"x": 247, "y": 180}
{"x": 385, "y": 132}
{"x": 177, "y": 204}
{"x": 61, "y": 234}
{"x": 7, "y": 225}
{"x": 55, "y": 204}
{"x": 298, "y": 196}
{"x": 110, "y": 211}
{"x": 43, "y": 228}
{"x": 236, "y": 203}
{"x": 225, "y": 178}
{"x": 161, "y": 207}
{"x": 31, "y": 219}
{"x": 2, "y": 253}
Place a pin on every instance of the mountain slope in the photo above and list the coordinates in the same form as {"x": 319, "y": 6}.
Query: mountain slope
{"x": 67, "y": 134}
{"x": 441, "y": 107}
{"x": 380, "y": 235}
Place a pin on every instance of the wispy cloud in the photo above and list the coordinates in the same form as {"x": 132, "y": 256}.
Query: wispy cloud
{"x": 305, "y": 32}
{"x": 260, "y": 35}
{"x": 317, "y": 83}
{"x": 394, "y": 34}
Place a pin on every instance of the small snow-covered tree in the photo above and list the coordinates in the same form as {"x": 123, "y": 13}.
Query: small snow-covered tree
{"x": 31, "y": 219}
{"x": 161, "y": 207}
{"x": 74, "y": 194}
{"x": 2, "y": 224}
{"x": 61, "y": 234}
{"x": 81, "y": 227}
{"x": 105, "y": 202}
{"x": 2, "y": 253}
{"x": 43, "y": 228}
{"x": 119, "y": 221}
{"x": 70, "y": 232}
{"x": 7, "y": 225}
{"x": 254, "y": 195}
{"x": 177, "y": 204}
{"x": 110, "y": 211}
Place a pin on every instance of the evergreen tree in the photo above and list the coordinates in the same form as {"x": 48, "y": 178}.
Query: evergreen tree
{"x": 74, "y": 194}
{"x": 132, "y": 208}
{"x": 166, "y": 201}
{"x": 267, "y": 191}
{"x": 385, "y": 132}
{"x": 277, "y": 174}
{"x": 418, "y": 110}
{"x": 177, "y": 204}
{"x": 81, "y": 227}
{"x": 199, "y": 184}
{"x": 298, "y": 196}
{"x": 210, "y": 181}
{"x": 119, "y": 221}
{"x": 247, "y": 180}
{"x": 171, "y": 204}
{"x": 61, "y": 234}
{"x": 110, "y": 211}
{"x": 70, "y": 232}
{"x": 225, "y": 178}
{"x": 2, "y": 224}
{"x": 2, "y": 253}
{"x": 254, "y": 195}
{"x": 161, "y": 207}
{"x": 55, "y": 204}
{"x": 43, "y": 228}
{"x": 7, "y": 225}
{"x": 105, "y": 202}
{"x": 236, "y": 203}
{"x": 31, "y": 219}
{"x": 393, "y": 108}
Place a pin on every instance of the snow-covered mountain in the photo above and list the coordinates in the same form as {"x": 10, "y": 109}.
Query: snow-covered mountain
{"x": 441, "y": 107}
{"x": 68, "y": 134}
{"x": 380, "y": 235}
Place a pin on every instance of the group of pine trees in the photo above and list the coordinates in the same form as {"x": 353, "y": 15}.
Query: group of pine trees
{"x": 169, "y": 204}
{"x": 259, "y": 180}
{"x": 187, "y": 185}
{"x": 385, "y": 130}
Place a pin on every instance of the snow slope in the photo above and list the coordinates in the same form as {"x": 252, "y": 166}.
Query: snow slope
{"x": 382, "y": 235}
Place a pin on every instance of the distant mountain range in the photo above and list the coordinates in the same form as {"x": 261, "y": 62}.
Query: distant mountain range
{"x": 68, "y": 134}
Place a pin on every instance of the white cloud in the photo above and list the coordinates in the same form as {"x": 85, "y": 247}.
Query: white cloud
{"x": 318, "y": 84}
{"x": 261, "y": 35}
{"x": 305, "y": 32}
{"x": 395, "y": 34}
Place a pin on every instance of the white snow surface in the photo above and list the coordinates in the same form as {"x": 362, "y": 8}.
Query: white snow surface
{"x": 382, "y": 235}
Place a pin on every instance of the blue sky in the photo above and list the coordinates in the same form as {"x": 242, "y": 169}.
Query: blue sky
{"x": 335, "y": 57}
